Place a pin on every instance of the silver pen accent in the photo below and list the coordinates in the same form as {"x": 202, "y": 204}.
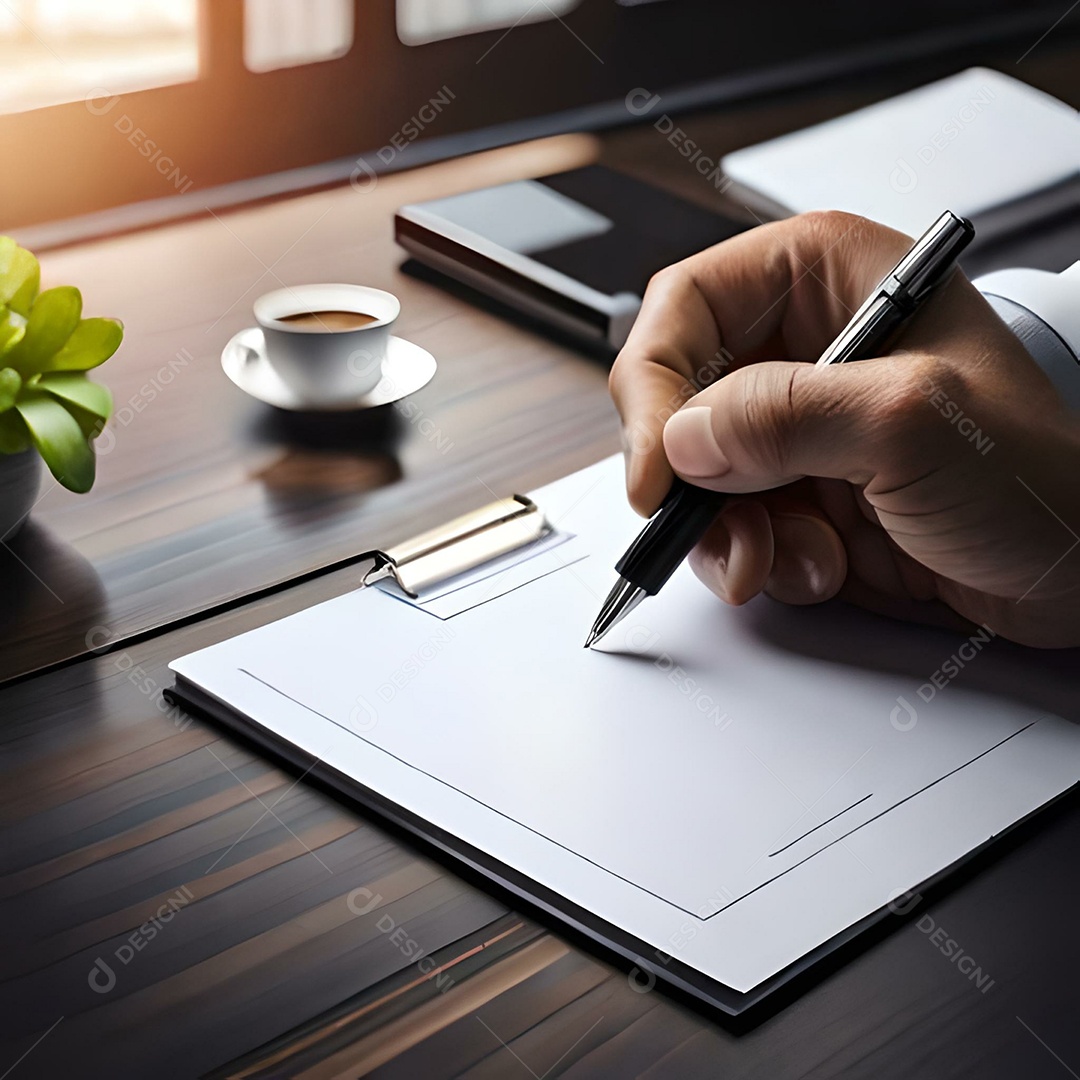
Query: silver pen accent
{"x": 622, "y": 599}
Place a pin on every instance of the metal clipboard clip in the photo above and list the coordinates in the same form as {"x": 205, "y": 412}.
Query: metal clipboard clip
{"x": 459, "y": 545}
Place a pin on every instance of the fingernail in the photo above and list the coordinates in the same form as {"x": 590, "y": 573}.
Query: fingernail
{"x": 807, "y": 563}
{"x": 691, "y": 446}
{"x": 709, "y": 561}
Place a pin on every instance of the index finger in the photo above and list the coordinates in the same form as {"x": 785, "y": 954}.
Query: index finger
{"x": 787, "y": 288}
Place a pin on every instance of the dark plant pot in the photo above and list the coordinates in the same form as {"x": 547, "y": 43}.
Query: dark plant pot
{"x": 20, "y": 478}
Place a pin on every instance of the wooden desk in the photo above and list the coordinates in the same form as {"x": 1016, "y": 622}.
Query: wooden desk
{"x": 118, "y": 814}
{"x": 117, "y": 811}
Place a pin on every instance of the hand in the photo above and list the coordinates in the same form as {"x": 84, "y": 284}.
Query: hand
{"x": 939, "y": 483}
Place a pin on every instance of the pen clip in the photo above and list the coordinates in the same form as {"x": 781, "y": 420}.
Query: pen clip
{"x": 922, "y": 269}
{"x": 931, "y": 258}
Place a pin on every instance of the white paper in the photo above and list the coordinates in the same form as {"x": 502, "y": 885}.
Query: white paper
{"x": 972, "y": 143}
{"x": 732, "y": 786}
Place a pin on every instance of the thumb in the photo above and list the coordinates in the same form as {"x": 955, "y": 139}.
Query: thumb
{"x": 771, "y": 423}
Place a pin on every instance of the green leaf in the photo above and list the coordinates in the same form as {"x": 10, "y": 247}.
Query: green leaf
{"x": 90, "y": 423}
{"x": 76, "y": 388}
{"x": 12, "y": 327}
{"x": 59, "y": 439}
{"x": 10, "y": 385}
{"x": 14, "y": 438}
{"x": 91, "y": 343}
{"x": 20, "y": 276}
{"x": 51, "y": 321}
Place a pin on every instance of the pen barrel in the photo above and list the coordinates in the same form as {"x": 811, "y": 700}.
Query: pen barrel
{"x": 678, "y": 525}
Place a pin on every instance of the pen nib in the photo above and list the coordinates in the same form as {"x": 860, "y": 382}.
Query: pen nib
{"x": 620, "y": 602}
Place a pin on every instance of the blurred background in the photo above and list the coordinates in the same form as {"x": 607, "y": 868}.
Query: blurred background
{"x": 104, "y": 104}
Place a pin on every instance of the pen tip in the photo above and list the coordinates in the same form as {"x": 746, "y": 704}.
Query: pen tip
{"x": 590, "y": 639}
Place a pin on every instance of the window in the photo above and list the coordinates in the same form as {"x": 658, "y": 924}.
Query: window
{"x": 285, "y": 33}
{"x": 159, "y": 107}
{"x": 54, "y": 51}
{"x": 421, "y": 21}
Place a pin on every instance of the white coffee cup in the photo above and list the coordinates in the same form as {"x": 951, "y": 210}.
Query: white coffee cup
{"x": 321, "y": 365}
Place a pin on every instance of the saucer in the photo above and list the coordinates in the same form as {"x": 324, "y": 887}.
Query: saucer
{"x": 406, "y": 369}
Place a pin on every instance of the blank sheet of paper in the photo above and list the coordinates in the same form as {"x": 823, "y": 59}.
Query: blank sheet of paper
{"x": 705, "y": 763}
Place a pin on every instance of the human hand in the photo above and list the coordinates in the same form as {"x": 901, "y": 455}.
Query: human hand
{"x": 939, "y": 483}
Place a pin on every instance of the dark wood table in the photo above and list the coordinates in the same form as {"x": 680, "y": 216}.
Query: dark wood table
{"x": 174, "y": 905}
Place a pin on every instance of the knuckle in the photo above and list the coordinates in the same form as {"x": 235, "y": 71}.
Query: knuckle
{"x": 665, "y": 278}
{"x": 616, "y": 376}
{"x": 854, "y": 239}
{"x": 830, "y": 224}
{"x": 625, "y": 372}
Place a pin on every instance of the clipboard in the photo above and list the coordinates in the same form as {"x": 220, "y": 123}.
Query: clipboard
{"x": 976, "y": 768}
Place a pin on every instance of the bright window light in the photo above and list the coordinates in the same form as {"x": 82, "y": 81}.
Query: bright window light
{"x": 421, "y": 21}
{"x": 285, "y": 33}
{"x": 52, "y": 51}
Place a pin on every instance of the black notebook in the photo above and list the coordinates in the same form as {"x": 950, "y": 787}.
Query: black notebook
{"x": 575, "y": 250}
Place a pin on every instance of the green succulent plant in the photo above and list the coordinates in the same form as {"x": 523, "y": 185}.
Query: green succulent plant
{"x": 46, "y": 348}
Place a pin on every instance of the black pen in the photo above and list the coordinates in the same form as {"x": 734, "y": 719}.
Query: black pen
{"x": 688, "y": 511}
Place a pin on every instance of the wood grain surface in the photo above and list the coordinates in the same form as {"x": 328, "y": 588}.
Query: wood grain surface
{"x": 250, "y": 925}
{"x": 172, "y": 904}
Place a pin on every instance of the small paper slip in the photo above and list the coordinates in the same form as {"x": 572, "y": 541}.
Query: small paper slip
{"x": 722, "y": 795}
